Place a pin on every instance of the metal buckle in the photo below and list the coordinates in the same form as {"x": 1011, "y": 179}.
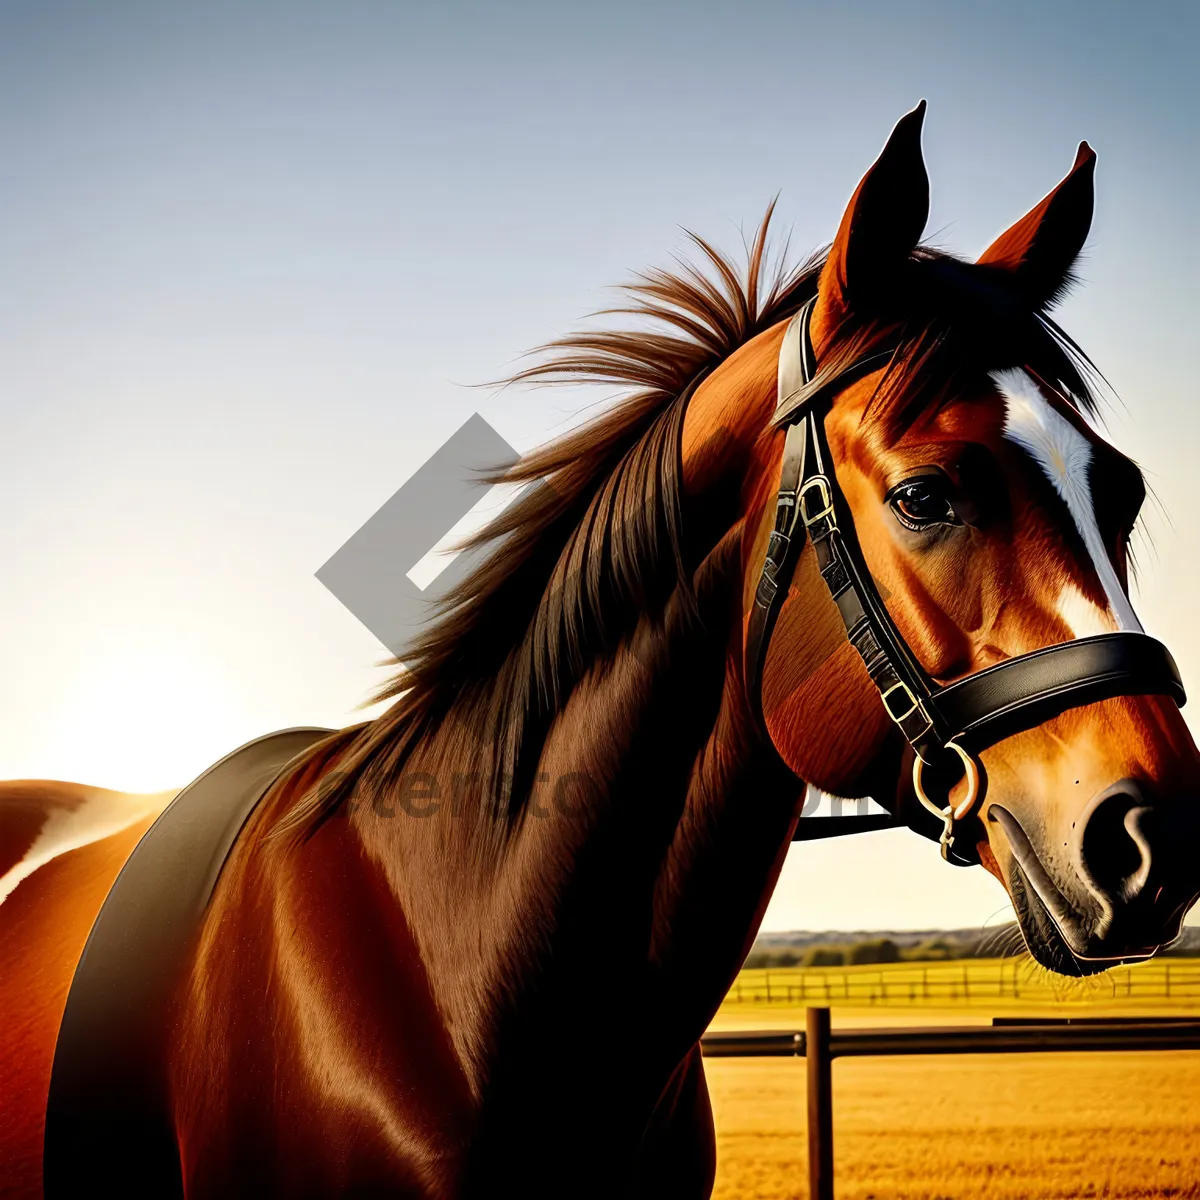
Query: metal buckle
{"x": 949, "y": 814}
{"x": 821, "y": 484}
{"x": 913, "y": 702}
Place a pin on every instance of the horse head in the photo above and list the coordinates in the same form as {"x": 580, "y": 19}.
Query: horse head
{"x": 991, "y": 520}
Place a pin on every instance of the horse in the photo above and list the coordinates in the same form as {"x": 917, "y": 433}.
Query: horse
{"x": 470, "y": 947}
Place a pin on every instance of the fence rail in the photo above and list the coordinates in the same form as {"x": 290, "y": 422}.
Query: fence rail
{"x": 819, "y": 1044}
{"x": 971, "y": 980}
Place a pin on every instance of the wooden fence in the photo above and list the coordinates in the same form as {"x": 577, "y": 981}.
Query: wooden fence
{"x": 819, "y": 1044}
{"x": 967, "y": 980}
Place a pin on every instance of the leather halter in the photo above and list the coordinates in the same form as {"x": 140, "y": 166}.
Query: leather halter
{"x": 963, "y": 717}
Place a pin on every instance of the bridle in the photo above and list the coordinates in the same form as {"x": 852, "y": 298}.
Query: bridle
{"x": 947, "y": 724}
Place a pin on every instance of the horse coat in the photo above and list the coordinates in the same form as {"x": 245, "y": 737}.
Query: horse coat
{"x": 107, "y": 1122}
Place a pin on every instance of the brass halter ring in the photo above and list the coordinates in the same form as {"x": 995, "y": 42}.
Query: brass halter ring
{"x": 950, "y": 813}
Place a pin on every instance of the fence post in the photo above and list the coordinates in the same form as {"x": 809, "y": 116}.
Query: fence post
{"x": 819, "y": 1062}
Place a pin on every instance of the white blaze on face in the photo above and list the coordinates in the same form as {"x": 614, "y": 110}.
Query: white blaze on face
{"x": 1065, "y": 455}
{"x": 1083, "y": 617}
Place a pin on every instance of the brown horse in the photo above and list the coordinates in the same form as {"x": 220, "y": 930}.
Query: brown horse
{"x": 469, "y": 948}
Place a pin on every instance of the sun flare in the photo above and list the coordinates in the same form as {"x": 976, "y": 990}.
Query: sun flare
{"x": 141, "y": 721}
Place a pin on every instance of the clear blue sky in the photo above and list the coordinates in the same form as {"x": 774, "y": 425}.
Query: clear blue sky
{"x": 250, "y": 254}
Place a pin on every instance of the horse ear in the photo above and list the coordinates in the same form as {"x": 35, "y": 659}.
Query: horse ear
{"x": 881, "y": 225}
{"x": 1040, "y": 249}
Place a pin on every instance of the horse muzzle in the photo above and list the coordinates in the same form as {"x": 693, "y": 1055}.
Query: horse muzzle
{"x": 1115, "y": 889}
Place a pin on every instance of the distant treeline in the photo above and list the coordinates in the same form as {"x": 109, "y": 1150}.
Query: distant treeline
{"x": 854, "y": 954}
{"x": 828, "y": 949}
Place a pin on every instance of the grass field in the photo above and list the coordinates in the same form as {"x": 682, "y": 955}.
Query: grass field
{"x": 1017, "y": 1127}
{"x": 971, "y": 983}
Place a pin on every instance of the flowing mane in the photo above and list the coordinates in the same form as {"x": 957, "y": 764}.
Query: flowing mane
{"x": 595, "y": 541}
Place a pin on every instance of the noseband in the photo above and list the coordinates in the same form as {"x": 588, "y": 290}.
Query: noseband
{"x": 941, "y": 723}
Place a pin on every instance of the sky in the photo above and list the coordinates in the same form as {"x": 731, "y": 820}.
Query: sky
{"x": 256, "y": 258}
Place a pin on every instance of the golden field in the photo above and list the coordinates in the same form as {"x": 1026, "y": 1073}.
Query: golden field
{"x": 1011, "y": 1126}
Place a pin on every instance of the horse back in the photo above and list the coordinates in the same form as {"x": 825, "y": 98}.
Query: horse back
{"x": 61, "y": 847}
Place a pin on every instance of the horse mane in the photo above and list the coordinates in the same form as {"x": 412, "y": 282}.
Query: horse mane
{"x": 592, "y": 543}
{"x": 595, "y": 541}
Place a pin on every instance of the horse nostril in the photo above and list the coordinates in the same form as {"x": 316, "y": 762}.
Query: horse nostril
{"x": 1115, "y": 849}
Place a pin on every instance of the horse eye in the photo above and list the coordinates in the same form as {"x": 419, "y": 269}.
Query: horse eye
{"x": 922, "y": 502}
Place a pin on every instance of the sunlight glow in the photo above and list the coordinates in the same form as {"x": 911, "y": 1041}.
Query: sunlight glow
{"x": 143, "y": 720}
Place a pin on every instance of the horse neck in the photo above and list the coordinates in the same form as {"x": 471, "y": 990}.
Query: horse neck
{"x": 639, "y": 866}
